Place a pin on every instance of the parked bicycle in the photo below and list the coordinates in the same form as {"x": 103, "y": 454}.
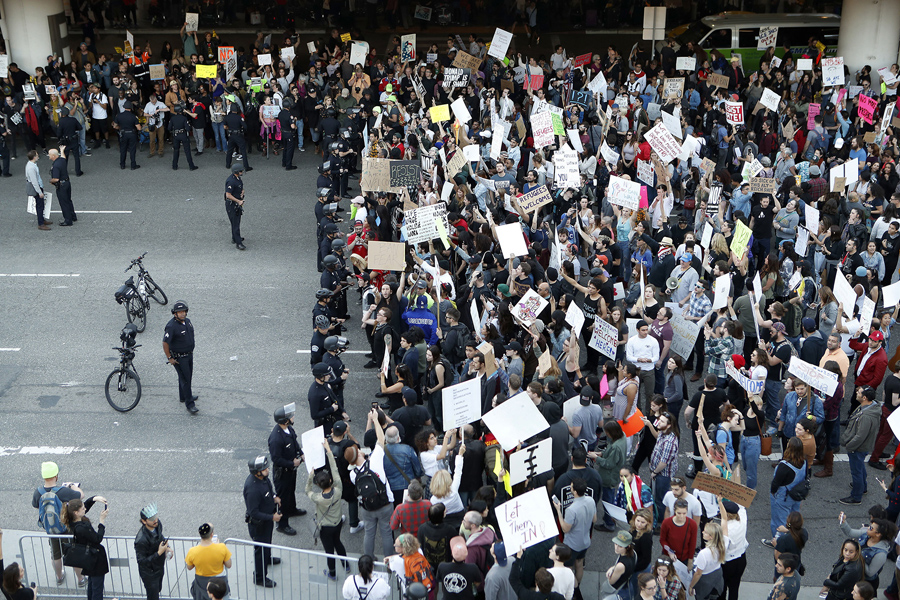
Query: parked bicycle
{"x": 135, "y": 295}
{"x": 123, "y": 386}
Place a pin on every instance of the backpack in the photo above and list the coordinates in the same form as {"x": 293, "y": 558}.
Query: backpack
{"x": 450, "y": 373}
{"x": 371, "y": 490}
{"x": 49, "y": 511}
{"x": 459, "y": 349}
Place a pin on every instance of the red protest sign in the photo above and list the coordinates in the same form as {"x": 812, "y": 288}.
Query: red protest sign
{"x": 581, "y": 60}
{"x": 536, "y": 82}
{"x": 225, "y": 52}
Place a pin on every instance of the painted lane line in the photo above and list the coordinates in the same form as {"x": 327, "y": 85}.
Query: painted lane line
{"x": 40, "y": 274}
{"x": 9, "y": 349}
{"x": 69, "y": 450}
{"x": 97, "y": 212}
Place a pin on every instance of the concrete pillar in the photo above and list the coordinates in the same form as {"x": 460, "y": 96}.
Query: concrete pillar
{"x": 35, "y": 29}
{"x": 870, "y": 35}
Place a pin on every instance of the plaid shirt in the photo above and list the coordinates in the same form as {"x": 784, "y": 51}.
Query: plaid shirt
{"x": 665, "y": 451}
{"x": 409, "y": 515}
{"x": 673, "y": 588}
{"x": 719, "y": 350}
{"x": 698, "y": 306}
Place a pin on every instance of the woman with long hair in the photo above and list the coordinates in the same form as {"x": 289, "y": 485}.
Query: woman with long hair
{"x": 751, "y": 441}
{"x": 647, "y": 307}
{"x": 828, "y": 309}
{"x": 618, "y": 575}
{"x": 770, "y": 277}
{"x": 329, "y": 518}
{"x": 642, "y": 539}
{"x": 649, "y": 433}
{"x": 558, "y": 331}
{"x": 792, "y": 539}
{"x": 876, "y": 541}
{"x": 432, "y": 457}
{"x": 73, "y": 517}
{"x": 410, "y": 565}
{"x": 445, "y": 489}
{"x": 708, "y": 581}
{"x": 12, "y": 584}
{"x": 847, "y": 571}
{"x": 438, "y": 376}
{"x": 616, "y": 318}
{"x": 366, "y": 586}
{"x": 789, "y": 472}
{"x": 675, "y": 390}
{"x": 799, "y": 403}
{"x": 734, "y": 530}
{"x": 668, "y": 585}
{"x": 805, "y": 431}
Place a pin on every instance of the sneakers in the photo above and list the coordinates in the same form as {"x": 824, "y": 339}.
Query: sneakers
{"x": 878, "y": 465}
{"x": 850, "y": 501}
{"x": 768, "y": 543}
{"x": 265, "y": 583}
{"x": 357, "y": 528}
{"x": 82, "y": 582}
{"x": 61, "y": 579}
{"x": 330, "y": 576}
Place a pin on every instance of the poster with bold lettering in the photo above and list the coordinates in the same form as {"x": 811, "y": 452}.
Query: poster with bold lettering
{"x": 623, "y": 192}
{"x": 770, "y": 99}
{"x": 867, "y": 108}
{"x": 542, "y": 129}
{"x": 767, "y": 37}
{"x": 461, "y": 403}
{"x": 833, "y": 70}
{"x": 526, "y": 520}
{"x": 819, "y": 378}
{"x": 405, "y": 173}
{"x": 225, "y": 52}
{"x": 734, "y": 113}
{"x": 684, "y": 336}
{"x": 581, "y": 60}
{"x": 531, "y": 461}
{"x": 535, "y": 199}
{"x": 605, "y": 338}
{"x": 420, "y": 222}
{"x": 500, "y": 43}
{"x": 663, "y": 143}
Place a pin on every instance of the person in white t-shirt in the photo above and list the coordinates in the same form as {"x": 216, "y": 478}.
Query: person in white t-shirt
{"x": 678, "y": 491}
{"x": 99, "y": 103}
{"x": 563, "y": 576}
{"x": 155, "y": 112}
{"x": 366, "y": 585}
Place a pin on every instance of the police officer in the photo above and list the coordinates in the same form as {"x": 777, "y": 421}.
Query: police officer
{"x": 335, "y": 345}
{"x": 288, "y": 134}
{"x": 234, "y": 202}
{"x": 321, "y": 331}
{"x": 323, "y": 297}
{"x": 59, "y": 176}
{"x": 152, "y": 549}
{"x": 234, "y": 125}
{"x": 5, "y": 134}
{"x": 333, "y": 279}
{"x": 67, "y": 132}
{"x": 321, "y": 202}
{"x": 348, "y": 159}
{"x": 179, "y": 125}
{"x": 329, "y": 232}
{"x": 324, "y": 408}
{"x": 178, "y": 346}
{"x": 329, "y": 128}
{"x": 337, "y": 168}
{"x": 323, "y": 181}
{"x": 127, "y": 125}
{"x": 286, "y": 457}
{"x": 338, "y": 246}
{"x": 261, "y": 504}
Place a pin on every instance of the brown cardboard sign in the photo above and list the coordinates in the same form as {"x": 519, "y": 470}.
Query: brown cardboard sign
{"x": 465, "y": 60}
{"x": 376, "y": 176}
{"x": 490, "y": 362}
{"x": 839, "y": 184}
{"x": 788, "y": 131}
{"x": 869, "y": 138}
{"x": 387, "y": 256}
{"x": 717, "y": 81}
{"x": 726, "y": 489}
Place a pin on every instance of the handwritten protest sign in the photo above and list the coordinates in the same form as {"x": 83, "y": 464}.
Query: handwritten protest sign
{"x": 157, "y": 72}
{"x": 535, "y": 199}
{"x": 684, "y": 336}
{"x": 741, "y": 239}
{"x": 387, "y": 256}
{"x": 526, "y": 520}
{"x": 867, "y": 108}
{"x": 500, "y": 43}
{"x": 674, "y": 87}
{"x": 662, "y": 142}
{"x": 529, "y": 307}
{"x": 605, "y": 338}
{"x": 531, "y": 461}
{"x": 623, "y": 192}
{"x": 207, "y": 71}
{"x": 405, "y": 173}
{"x": 770, "y": 99}
{"x": 575, "y": 317}
{"x": 542, "y": 129}
{"x": 717, "y": 81}
{"x": 420, "y": 222}
{"x": 464, "y": 60}
{"x": 515, "y": 421}
{"x": 719, "y": 486}
{"x": 685, "y": 63}
{"x": 762, "y": 185}
{"x": 461, "y": 403}
{"x": 767, "y": 37}
{"x": 833, "y": 70}
{"x": 753, "y": 386}
{"x": 817, "y": 377}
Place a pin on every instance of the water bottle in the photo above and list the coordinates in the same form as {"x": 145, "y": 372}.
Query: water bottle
{"x": 215, "y": 539}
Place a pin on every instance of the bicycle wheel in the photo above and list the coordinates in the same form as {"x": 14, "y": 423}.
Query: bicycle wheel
{"x": 137, "y": 312}
{"x": 154, "y": 291}
{"x": 126, "y": 389}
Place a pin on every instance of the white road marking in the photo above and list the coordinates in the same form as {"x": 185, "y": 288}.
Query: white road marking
{"x": 68, "y": 450}
{"x": 97, "y": 212}
{"x": 40, "y": 274}
{"x": 344, "y": 352}
{"x": 9, "y": 349}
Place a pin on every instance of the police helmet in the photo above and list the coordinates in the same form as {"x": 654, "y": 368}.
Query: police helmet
{"x": 330, "y": 261}
{"x": 345, "y": 133}
{"x": 322, "y": 322}
{"x": 325, "y": 166}
{"x": 179, "y": 108}
{"x": 338, "y": 244}
{"x": 237, "y": 168}
{"x": 334, "y": 146}
{"x": 324, "y": 192}
{"x": 329, "y": 209}
{"x": 324, "y": 293}
{"x": 258, "y": 465}
{"x": 331, "y": 113}
{"x": 179, "y": 306}
{"x": 284, "y": 415}
{"x": 336, "y": 342}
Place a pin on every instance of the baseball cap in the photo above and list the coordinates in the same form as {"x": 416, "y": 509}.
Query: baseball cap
{"x": 515, "y": 346}
{"x": 687, "y": 257}
{"x": 731, "y": 507}
{"x": 877, "y": 336}
{"x": 320, "y": 370}
{"x": 808, "y": 324}
{"x": 503, "y": 289}
{"x": 500, "y": 553}
{"x": 49, "y": 469}
{"x": 778, "y": 327}
{"x": 409, "y": 395}
{"x": 738, "y": 360}
{"x": 339, "y": 427}
{"x": 623, "y": 539}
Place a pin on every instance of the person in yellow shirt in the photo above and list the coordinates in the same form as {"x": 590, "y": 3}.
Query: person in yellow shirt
{"x": 210, "y": 559}
{"x": 835, "y": 353}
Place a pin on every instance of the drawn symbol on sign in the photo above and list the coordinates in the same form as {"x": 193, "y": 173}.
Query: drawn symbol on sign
{"x": 530, "y": 462}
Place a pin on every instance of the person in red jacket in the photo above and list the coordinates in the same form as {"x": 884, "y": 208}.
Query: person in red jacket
{"x": 678, "y": 534}
{"x": 871, "y": 363}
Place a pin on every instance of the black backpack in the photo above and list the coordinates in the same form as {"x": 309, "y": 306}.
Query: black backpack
{"x": 459, "y": 349}
{"x": 371, "y": 490}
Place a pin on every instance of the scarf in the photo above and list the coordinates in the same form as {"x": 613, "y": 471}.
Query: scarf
{"x": 663, "y": 252}
{"x": 633, "y": 494}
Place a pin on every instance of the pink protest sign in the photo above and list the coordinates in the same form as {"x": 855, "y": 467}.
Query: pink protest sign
{"x": 644, "y": 203}
{"x": 866, "y": 109}
{"x": 814, "y": 109}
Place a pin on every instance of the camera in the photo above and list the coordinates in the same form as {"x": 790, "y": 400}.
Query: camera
{"x": 129, "y": 332}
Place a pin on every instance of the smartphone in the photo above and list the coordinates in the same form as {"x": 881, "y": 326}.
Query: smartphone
{"x": 375, "y": 405}
{"x": 555, "y": 500}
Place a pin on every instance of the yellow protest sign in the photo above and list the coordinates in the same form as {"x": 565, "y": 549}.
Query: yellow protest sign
{"x": 345, "y": 37}
{"x": 439, "y": 113}
{"x": 442, "y": 232}
{"x": 206, "y": 71}
{"x": 740, "y": 240}
{"x": 118, "y": 50}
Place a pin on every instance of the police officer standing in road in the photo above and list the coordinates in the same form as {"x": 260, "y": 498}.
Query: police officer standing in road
{"x": 178, "y": 125}
{"x": 234, "y": 125}
{"x": 261, "y": 504}
{"x": 329, "y": 129}
{"x": 323, "y": 297}
{"x": 59, "y": 176}
{"x": 286, "y": 457}
{"x": 288, "y": 134}
{"x": 317, "y": 343}
{"x": 324, "y": 182}
{"x": 234, "y": 203}
{"x": 68, "y": 135}
{"x": 127, "y": 125}
{"x": 5, "y": 135}
{"x": 334, "y": 346}
{"x": 178, "y": 345}
{"x": 324, "y": 408}
{"x": 152, "y": 549}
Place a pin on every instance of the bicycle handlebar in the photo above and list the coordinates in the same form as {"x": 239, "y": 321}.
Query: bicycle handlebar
{"x": 120, "y": 349}
{"x": 136, "y": 261}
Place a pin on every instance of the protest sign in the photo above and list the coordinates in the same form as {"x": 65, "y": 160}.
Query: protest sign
{"x": 891, "y": 295}
{"x": 844, "y": 294}
{"x": 722, "y": 287}
{"x": 408, "y": 48}
{"x": 605, "y": 338}
{"x": 734, "y": 113}
{"x": 580, "y": 97}
{"x": 684, "y": 336}
{"x": 461, "y": 111}
{"x": 767, "y": 37}
{"x": 464, "y": 60}
{"x": 685, "y": 63}
{"x": 376, "y": 176}
{"x": 225, "y": 52}
{"x": 575, "y": 318}
{"x": 662, "y": 142}
{"x": 405, "y": 173}
{"x": 207, "y": 71}
{"x": 497, "y": 139}
{"x": 231, "y": 67}
{"x": 461, "y": 403}
{"x": 439, "y": 113}
{"x": 531, "y": 461}
{"x": 542, "y": 129}
{"x": 51, "y": 89}
{"x": 814, "y": 109}
{"x": 609, "y": 155}
{"x": 623, "y": 192}
{"x": 422, "y": 13}
{"x": 672, "y": 123}
{"x": 535, "y": 199}
{"x": 157, "y": 72}
{"x": 574, "y": 140}
{"x": 264, "y": 59}
{"x": 741, "y": 239}
{"x": 420, "y": 225}
{"x": 717, "y": 81}
{"x": 719, "y": 486}
{"x": 515, "y": 420}
{"x": 833, "y": 71}
{"x": 386, "y": 256}
{"x": 644, "y": 172}
{"x": 191, "y": 20}
{"x": 581, "y": 60}
{"x": 753, "y": 386}
{"x": 770, "y": 99}
{"x": 804, "y": 64}
{"x": 311, "y": 46}
{"x": 529, "y": 307}
{"x": 673, "y": 87}
{"x": 512, "y": 240}
{"x": 817, "y": 377}
{"x": 313, "y": 450}
{"x": 867, "y": 311}
{"x": 565, "y": 169}
{"x": 713, "y": 200}
{"x": 287, "y": 55}
{"x": 358, "y": 53}
{"x": 886, "y": 75}
{"x": 456, "y": 78}
{"x": 500, "y": 43}
{"x": 867, "y": 108}
{"x": 598, "y": 85}
{"x": 526, "y": 520}
{"x": 4, "y": 65}
{"x": 28, "y": 91}
{"x": 762, "y": 185}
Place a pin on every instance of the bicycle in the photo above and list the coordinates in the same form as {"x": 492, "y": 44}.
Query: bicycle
{"x": 127, "y": 391}
{"x": 135, "y": 296}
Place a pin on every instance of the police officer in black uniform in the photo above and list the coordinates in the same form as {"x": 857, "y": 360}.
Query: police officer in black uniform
{"x": 261, "y": 504}
{"x": 179, "y": 125}
{"x": 323, "y": 297}
{"x": 329, "y": 232}
{"x": 347, "y": 157}
{"x": 321, "y": 202}
{"x": 324, "y": 407}
{"x": 333, "y": 279}
{"x": 234, "y": 202}
{"x": 286, "y": 457}
{"x": 335, "y": 345}
{"x": 178, "y": 345}
{"x": 323, "y": 181}
{"x": 338, "y": 246}
{"x": 59, "y": 176}
{"x": 5, "y": 134}
{"x": 67, "y": 132}
{"x": 234, "y": 126}
{"x": 337, "y": 168}
{"x": 322, "y": 329}
{"x": 288, "y": 134}
{"x": 329, "y": 129}
{"x": 127, "y": 125}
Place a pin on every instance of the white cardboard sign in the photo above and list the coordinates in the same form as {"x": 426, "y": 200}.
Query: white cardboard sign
{"x": 526, "y": 520}
{"x": 817, "y": 377}
{"x": 461, "y": 403}
{"x": 515, "y": 420}
{"x": 529, "y": 307}
{"x": 313, "y": 450}
{"x": 512, "y": 240}
{"x": 531, "y": 461}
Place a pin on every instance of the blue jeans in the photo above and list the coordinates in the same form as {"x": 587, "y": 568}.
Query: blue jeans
{"x": 661, "y": 485}
{"x": 219, "y": 134}
{"x": 858, "y": 474}
{"x": 750, "y": 449}
{"x": 608, "y": 495}
{"x": 660, "y": 379}
{"x": 299, "y": 133}
{"x": 95, "y": 587}
{"x": 773, "y": 388}
{"x": 82, "y": 135}
{"x": 782, "y": 505}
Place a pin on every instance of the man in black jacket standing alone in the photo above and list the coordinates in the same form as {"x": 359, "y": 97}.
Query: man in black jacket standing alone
{"x": 152, "y": 550}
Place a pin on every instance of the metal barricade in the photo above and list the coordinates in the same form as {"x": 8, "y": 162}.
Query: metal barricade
{"x": 301, "y": 573}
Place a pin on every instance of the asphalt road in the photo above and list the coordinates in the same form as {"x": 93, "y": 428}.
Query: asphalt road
{"x": 251, "y": 313}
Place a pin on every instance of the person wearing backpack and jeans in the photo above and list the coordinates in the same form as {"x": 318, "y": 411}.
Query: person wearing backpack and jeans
{"x": 50, "y": 499}
{"x": 790, "y": 472}
{"x": 859, "y": 439}
{"x": 375, "y": 497}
